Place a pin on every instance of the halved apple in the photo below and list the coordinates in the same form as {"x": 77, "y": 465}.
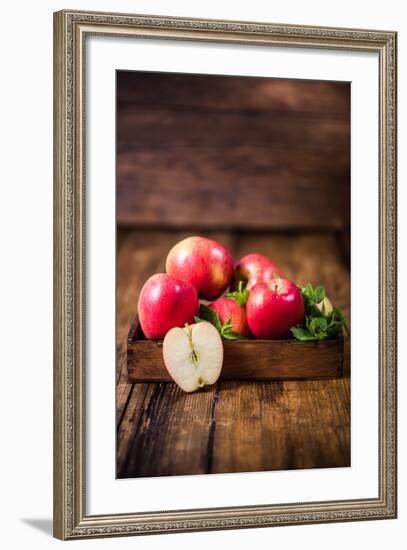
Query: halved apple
{"x": 193, "y": 355}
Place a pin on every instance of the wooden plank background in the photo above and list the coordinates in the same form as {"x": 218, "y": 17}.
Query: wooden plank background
{"x": 210, "y": 151}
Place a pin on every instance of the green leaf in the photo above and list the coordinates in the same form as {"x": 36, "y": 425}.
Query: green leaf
{"x": 333, "y": 330}
{"x": 301, "y": 333}
{"x": 309, "y": 291}
{"x": 240, "y": 295}
{"x": 208, "y": 314}
{"x": 319, "y": 294}
{"x": 318, "y": 323}
{"x": 232, "y": 335}
{"x": 225, "y": 330}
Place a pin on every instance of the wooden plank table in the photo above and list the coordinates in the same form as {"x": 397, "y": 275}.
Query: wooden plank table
{"x": 233, "y": 426}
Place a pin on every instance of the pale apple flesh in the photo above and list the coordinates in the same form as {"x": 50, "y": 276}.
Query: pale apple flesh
{"x": 193, "y": 355}
{"x": 325, "y": 307}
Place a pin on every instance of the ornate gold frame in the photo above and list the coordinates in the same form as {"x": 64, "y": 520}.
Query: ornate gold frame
{"x": 70, "y": 31}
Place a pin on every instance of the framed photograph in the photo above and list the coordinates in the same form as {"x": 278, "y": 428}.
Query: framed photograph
{"x": 225, "y": 274}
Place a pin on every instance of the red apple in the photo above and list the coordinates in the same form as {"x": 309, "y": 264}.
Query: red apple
{"x": 254, "y": 268}
{"x": 204, "y": 263}
{"x": 228, "y": 308}
{"x": 273, "y": 308}
{"x": 164, "y": 303}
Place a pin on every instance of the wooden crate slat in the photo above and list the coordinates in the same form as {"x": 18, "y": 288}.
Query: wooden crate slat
{"x": 244, "y": 359}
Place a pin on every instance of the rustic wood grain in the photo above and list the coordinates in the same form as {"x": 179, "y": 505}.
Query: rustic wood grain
{"x": 169, "y": 435}
{"x": 123, "y": 390}
{"x": 196, "y": 131}
{"x": 129, "y": 421}
{"x": 232, "y": 93}
{"x": 231, "y": 146}
{"x": 280, "y": 426}
{"x": 236, "y": 426}
{"x": 244, "y": 359}
{"x": 304, "y": 193}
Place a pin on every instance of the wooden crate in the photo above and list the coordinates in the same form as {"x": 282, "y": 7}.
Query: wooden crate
{"x": 244, "y": 360}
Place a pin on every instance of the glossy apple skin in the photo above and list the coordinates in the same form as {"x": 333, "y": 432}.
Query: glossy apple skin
{"x": 164, "y": 303}
{"x": 273, "y": 308}
{"x": 204, "y": 263}
{"x": 254, "y": 268}
{"x": 228, "y": 308}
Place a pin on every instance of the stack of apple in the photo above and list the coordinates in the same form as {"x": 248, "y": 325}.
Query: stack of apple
{"x": 260, "y": 304}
